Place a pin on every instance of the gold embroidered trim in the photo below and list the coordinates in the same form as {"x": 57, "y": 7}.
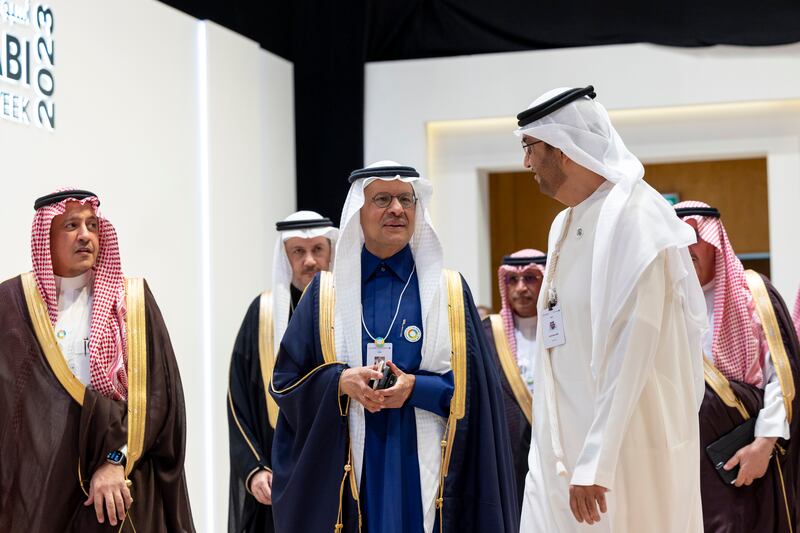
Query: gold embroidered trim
{"x": 722, "y": 387}
{"x": 458, "y": 364}
{"x": 128, "y": 519}
{"x": 137, "y": 359}
{"x": 327, "y": 300}
{"x": 80, "y": 478}
{"x": 458, "y": 339}
{"x": 780, "y": 450}
{"x": 266, "y": 352}
{"x": 249, "y": 477}
{"x": 510, "y": 368}
{"x": 301, "y": 380}
{"x": 348, "y": 473}
{"x": 137, "y": 370}
{"x": 47, "y": 339}
{"x": 777, "y": 351}
{"x": 238, "y": 425}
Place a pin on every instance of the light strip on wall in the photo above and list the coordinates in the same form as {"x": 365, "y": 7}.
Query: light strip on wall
{"x": 205, "y": 269}
{"x": 728, "y": 110}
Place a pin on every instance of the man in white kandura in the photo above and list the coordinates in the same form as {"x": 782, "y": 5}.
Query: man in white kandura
{"x": 618, "y": 372}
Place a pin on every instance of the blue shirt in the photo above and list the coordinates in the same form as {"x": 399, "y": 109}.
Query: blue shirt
{"x": 390, "y": 487}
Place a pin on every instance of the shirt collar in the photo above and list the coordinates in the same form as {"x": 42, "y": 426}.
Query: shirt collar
{"x": 400, "y": 264}
{"x": 75, "y": 283}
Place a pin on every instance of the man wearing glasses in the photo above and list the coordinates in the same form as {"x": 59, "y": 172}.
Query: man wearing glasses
{"x": 391, "y": 416}
{"x": 512, "y": 338}
{"x": 618, "y": 374}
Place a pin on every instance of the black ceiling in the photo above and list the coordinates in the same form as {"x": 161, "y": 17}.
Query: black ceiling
{"x": 404, "y": 29}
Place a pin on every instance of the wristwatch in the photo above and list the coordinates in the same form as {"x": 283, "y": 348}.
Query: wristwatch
{"x": 117, "y": 457}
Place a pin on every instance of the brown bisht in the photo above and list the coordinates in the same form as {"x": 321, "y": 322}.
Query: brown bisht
{"x": 769, "y": 505}
{"x": 517, "y": 400}
{"x": 54, "y": 432}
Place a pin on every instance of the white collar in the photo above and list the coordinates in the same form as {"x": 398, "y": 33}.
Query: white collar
{"x": 524, "y": 322}
{"x": 74, "y": 283}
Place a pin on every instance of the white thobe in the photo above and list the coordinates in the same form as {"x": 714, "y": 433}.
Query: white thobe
{"x": 771, "y": 420}
{"x": 73, "y": 326}
{"x": 633, "y": 427}
{"x": 525, "y": 335}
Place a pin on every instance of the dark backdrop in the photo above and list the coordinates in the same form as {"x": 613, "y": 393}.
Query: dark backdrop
{"x": 329, "y": 41}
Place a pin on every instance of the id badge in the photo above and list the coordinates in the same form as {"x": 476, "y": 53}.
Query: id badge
{"x": 553, "y": 327}
{"x": 375, "y": 353}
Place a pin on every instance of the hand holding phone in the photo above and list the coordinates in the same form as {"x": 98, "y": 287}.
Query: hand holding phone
{"x": 387, "y": 380}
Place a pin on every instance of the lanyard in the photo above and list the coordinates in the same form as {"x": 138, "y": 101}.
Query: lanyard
{"x": 549, "y": 380}
{"x": 552, "y": 295}
{"x": 379, "y": 341}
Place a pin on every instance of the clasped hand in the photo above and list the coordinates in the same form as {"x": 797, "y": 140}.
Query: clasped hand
{"x": 355, "y": 383}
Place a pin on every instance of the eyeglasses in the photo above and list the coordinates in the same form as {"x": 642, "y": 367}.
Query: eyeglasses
{"x": 527, "y": 279}
{"x": 528, "y": 148}
{"x": 383, "y": 200}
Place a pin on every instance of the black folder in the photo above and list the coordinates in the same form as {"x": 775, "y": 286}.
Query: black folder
{"x": 721, "y": 450}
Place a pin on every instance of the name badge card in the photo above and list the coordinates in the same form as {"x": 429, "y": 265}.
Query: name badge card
{"x": 553, "y": 327}
{"x": 377, "y": 353}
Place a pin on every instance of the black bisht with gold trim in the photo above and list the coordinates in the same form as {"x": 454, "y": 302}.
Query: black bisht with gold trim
{"x": 314, "y": 488}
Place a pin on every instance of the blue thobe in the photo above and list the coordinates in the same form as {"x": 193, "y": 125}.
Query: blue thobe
{"x": 390, "y": 489}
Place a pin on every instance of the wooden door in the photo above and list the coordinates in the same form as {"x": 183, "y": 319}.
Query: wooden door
{"x": 520, "y": 216}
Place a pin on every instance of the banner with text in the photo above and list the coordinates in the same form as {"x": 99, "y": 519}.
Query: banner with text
{"x": 27, "y": 63}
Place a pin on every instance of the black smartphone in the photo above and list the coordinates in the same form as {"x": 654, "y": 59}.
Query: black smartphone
{"x": 387, "y": 377}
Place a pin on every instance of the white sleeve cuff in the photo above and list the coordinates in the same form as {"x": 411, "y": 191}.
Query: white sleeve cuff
{"x": 771, "y": 421}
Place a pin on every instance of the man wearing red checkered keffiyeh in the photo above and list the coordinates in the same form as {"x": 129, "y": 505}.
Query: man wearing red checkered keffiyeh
{"x": 513, "y": 333}
{"x": 107, "y": 357}
{"x": 519, "y": 280}
{"x": 736, "y": 346}
{"x": 83, "y": 449}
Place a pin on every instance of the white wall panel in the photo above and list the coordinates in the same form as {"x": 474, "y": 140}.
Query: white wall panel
{"x": 136, "y": 82}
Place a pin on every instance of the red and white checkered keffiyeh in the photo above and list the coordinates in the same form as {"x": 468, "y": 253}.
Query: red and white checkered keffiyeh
{"x": 506, "y": 312}
{"x": 796, "y": 314}
{"x": 736, "y": 344}
{"x": 107, "y": 347}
